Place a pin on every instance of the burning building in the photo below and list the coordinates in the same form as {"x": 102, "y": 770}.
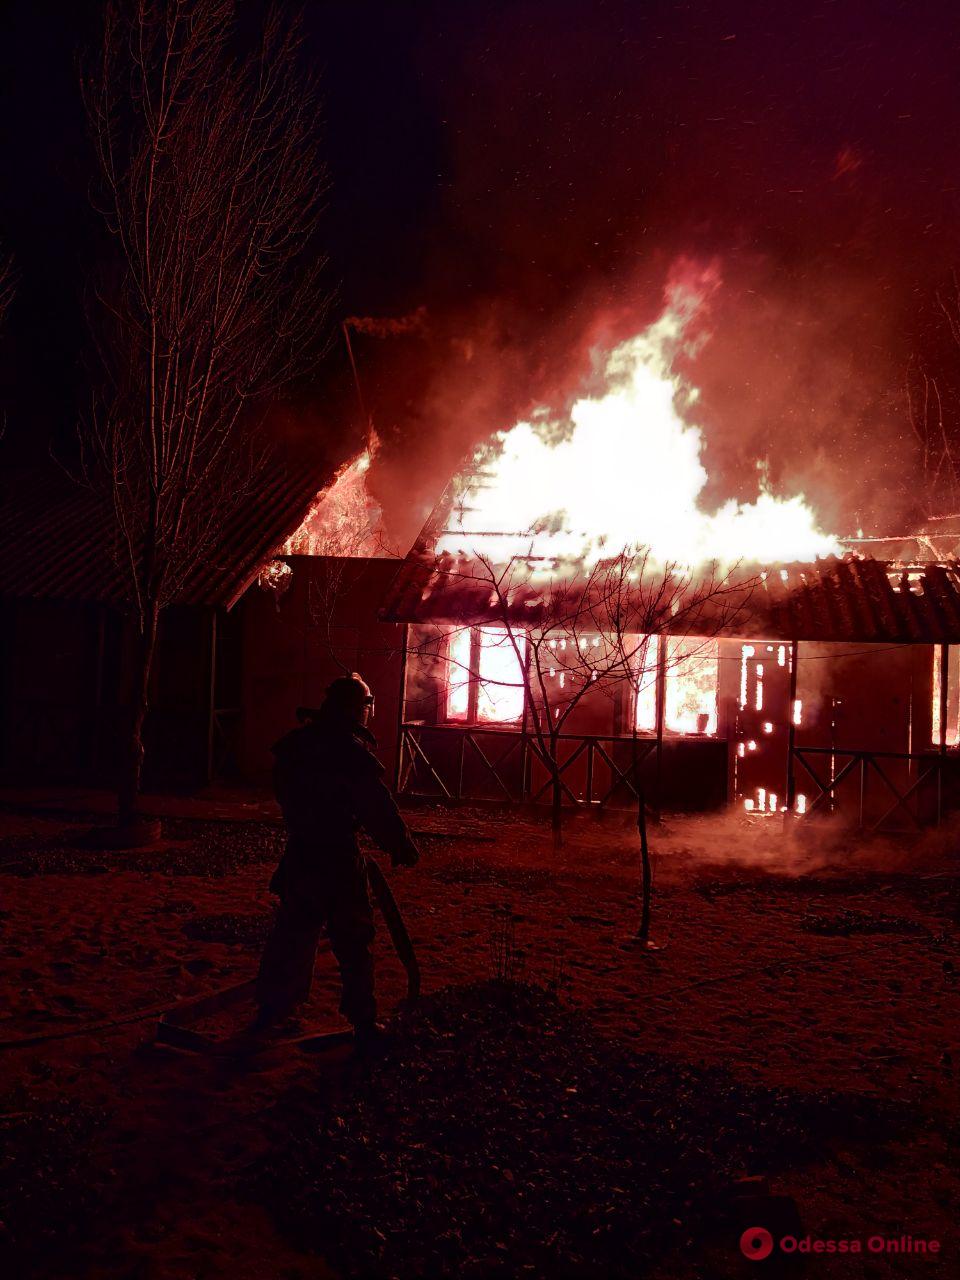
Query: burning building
{"x": 579, "y": 626}
{"x": 829, "y": 686}
{"x": 573, "y": 624}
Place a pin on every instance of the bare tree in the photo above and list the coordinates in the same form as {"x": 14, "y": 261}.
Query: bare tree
{"x": 598, "y": 630}
{"x": 932, "y": 393}
{"x": 593, "y": 630}
{"x": 211, "y": 187}
{"x": 939, "y": 471}
{"x": 646, "y": 879}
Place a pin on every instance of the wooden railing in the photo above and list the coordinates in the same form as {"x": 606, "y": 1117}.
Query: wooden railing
{"x": 867, "y": 766}
{"x": 510, "y": 762}
{"x": 466, "y": 762}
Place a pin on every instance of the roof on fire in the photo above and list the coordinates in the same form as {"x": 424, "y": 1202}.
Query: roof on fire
{"x": 57, "y": 540}
{"x": 850, "y": 599}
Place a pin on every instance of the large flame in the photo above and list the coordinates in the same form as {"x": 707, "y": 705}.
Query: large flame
{"x": 344, "y": 519}
{"x": 624, "y": 472}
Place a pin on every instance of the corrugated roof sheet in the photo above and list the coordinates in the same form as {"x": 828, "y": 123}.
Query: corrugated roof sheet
{"x": 57, "y": 541}
{"x": 853, "y": 598}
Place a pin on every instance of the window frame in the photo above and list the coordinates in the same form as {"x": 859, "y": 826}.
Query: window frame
{"x": 662, "y": 643}
{"x": 471, "y": 718}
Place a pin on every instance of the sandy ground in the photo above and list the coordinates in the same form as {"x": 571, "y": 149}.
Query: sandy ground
{"x": 802, "y": 962}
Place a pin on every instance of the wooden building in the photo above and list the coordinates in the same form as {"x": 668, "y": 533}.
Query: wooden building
{"x": 831, "y": 688}
{"x": 250, "y": 637}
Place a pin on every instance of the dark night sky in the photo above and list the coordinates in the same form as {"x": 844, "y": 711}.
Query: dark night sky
{"x": 522, "y": 169}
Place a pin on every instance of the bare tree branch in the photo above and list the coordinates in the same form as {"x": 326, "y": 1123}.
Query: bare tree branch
{"x": 932, "y": 394}
{"x": 211, "y": 187}
{"x": 579, "y": 629}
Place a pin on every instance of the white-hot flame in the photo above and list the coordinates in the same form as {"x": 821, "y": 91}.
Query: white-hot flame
{"x": 624, "y": 472}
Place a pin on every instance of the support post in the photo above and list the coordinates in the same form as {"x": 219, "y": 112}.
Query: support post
{"x": 661, "y": 701}
{"x": 401, "y": 708}
{"x": 792, "y": 729}
{"x": 525, "y": 725}
{"x": 212, "y": 699}
{"x": 646, "y": 878}
{"x": 944, "y": 703}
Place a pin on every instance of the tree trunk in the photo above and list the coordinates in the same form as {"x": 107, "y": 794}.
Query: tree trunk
{"x": 643, "y": 933}
{"x": 556, "y": 796}
{"x": 131, "y": 777}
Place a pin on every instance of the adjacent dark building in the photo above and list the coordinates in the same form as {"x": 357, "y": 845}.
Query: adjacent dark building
{"x": 239, "y": 650}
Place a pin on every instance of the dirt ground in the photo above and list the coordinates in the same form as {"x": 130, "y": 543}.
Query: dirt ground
{"x": 799, "y": 1020}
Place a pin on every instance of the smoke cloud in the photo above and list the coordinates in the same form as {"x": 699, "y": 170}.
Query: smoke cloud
{"x": 585, "y": 149}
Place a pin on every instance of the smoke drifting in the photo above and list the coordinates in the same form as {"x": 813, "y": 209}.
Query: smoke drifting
{"x": 798, "y": 378}
{"x": 389, "y": 326}
{"x": 812, "y": 846}
{"x": 585, "y": 148}
{"x": 511, "y": 184}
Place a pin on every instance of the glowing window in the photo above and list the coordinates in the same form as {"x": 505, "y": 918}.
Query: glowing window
{"x": 692, "y": 678}
{"x": 693, "y": 674}
{"x": 485, "y": 675}
{"x": 646, "y": 686}
{"x": 458, "y": 675}
{"x": 500, "y": 691}
{"x": 952, "y": 736}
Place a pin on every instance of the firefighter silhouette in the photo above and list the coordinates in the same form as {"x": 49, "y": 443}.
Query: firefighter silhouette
{"x": 329, "y": 785}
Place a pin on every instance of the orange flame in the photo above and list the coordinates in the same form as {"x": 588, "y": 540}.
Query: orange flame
{"x": 624, "y": 472}
{"x": 343, "y": 520}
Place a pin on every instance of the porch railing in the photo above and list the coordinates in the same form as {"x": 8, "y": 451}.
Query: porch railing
{"x": 467, "y": 762}
{"x": 509, "y": 763}
{"x": 857, "y": 767}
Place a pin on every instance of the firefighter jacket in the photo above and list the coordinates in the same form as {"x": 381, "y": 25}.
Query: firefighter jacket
{"x": 330, "y": 786}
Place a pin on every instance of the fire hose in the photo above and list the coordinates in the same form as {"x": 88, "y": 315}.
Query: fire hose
{"x": 396, "y": 926}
